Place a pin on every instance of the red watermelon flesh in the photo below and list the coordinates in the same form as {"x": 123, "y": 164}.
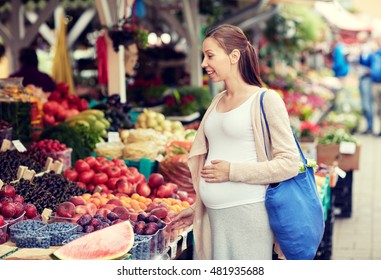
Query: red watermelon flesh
{"x": 106, "y": 244}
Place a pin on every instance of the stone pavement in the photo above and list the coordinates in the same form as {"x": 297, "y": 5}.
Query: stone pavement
{"x": 359, "y": 236}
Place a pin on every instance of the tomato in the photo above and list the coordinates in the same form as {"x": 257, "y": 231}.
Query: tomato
{"x": 81, "y": 185}
{"x": 81, "y": 166}
{"x": 100, "y": 178}
{"x": 113, "y": 172}
{"x": 71, "y": 174}
{"x": 86, "y": 176}
{"x": 91, "y": 161}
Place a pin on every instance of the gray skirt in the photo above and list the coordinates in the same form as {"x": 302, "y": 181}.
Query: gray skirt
{"x": 241, "y": 233}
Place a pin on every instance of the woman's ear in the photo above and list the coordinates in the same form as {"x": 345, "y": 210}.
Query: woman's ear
{"x": 235, "y": 56}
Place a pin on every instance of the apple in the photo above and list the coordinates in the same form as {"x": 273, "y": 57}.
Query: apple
{"x": 143, "y": 189}
{"x": 123, "y": 186}
{"x": 8, "y": 191}
{"x": 77, "y": 200}
{"x": 155, "y": 180}
{"x": 66, "y": 209}
{"x": 30, "y": 211}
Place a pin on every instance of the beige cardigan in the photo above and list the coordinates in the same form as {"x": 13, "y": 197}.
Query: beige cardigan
{"x": 282, "y": 166}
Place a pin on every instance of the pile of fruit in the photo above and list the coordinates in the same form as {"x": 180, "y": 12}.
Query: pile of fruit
{"x": 13, "y": 208}
{"x": 41, "y": 150}
{"x": 151, "y": 119}
{"x": 62, "y": 105}
{"x": 91, "y": 118}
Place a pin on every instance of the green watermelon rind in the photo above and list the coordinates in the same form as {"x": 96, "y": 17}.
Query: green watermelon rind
{"x": 109, "y": 243}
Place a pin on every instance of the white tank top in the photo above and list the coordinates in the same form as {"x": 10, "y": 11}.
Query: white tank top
{"x": 230, "y": 136}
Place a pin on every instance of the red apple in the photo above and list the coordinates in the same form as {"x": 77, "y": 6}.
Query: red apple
{"x": 30, "y": 211}
{"x": 155, "y": 180}
{"x": 143, "y": 189}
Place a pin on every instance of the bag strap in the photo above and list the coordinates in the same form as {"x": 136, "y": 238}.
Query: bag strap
{"x": 268, "y": 131}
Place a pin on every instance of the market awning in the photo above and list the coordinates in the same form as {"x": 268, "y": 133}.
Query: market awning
{"x": 340, "y": 18}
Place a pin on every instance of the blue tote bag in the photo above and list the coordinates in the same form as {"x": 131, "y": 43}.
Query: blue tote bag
{"x": 295, "y": 211}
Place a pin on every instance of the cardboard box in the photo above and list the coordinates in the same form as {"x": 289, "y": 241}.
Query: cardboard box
{"x": 327, "y": 154}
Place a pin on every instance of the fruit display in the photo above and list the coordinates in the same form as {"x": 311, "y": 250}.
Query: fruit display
{"x": 47, "y": 191}
{"x": 11, "y": 160}
{"x": 110, "y": 175}
{"x": 41, "y": 150}
{"x": 92, "y": 119}
{"x": 151, "y": 119}
{"x": 116, "y": 113}
{"x": 62, "y": 105}
{"x": 113, "y": 242}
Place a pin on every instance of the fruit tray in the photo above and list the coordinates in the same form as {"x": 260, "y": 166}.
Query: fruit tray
{"x": 147, "y": 247}
{"x": 59, "y": 232}
{"x": 34, "y": 239}
{"x": 25, "y": 227}
{"x": 3, "y": 233}
{"x": 16, "y": 220}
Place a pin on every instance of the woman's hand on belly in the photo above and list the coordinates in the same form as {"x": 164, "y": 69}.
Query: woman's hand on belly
{"x": 216, "y": 172}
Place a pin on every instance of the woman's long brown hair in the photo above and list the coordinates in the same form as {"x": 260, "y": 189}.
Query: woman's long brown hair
{"x": 231, "y": 37}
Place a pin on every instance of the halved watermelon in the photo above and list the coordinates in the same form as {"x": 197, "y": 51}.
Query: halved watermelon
{"x": 106, "y": 244}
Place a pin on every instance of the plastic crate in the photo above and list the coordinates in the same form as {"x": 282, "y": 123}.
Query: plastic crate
{"x": 59, "y": 232}
{"x": 32, "y": 239}
{"x": 24, "y": 228}
{"x": 3, "y": 233}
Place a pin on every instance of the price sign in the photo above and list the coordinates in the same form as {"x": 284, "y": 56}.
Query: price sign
{"x": 348, "y": 148}
{"x": 19, "y": 146}
{"x": 113, "y": 137}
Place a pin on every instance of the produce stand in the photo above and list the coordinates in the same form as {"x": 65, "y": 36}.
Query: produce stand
{"x": 179, "y": 248}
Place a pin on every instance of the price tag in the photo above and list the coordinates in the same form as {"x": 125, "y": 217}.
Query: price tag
{"x": 6, "y": 145}
{"x": 46, "y": 214}
{"x": 19, "y": 146}
{"x": 347, "y": 148}
{"x": 57, "y": 166}
{"x": 20, "y": 171}
{"x": 29, "y": 175}
{"x": 113, "y": 136}
{"x": 48, "y": 164}
{"x": 1, "y": 184}
{"x": 340, "y": 172}
{"x": 184, "y": 245}
{"x": 97, "y": 189}
{"x": 173, "y": 250}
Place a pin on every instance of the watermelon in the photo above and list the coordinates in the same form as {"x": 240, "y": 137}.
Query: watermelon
{"x": 108, "y": 243}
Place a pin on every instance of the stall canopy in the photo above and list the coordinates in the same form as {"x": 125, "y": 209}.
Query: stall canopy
{"x": 338, "y": 16}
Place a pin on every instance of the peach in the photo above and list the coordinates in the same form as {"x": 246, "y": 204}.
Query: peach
{"x": 103, "y": 211}
{"x": 115, "y": 201}
{"x": 122, "y": 212}
{"x": 81, "y": 209}
{"x": 77, "y": 200}
{"x": 109, "y": 206}
{"x": 91, "y": 208}
{"x": 66, "y": 209}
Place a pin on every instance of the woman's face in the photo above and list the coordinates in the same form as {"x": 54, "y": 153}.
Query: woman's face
{"x": 216, "y": 62}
